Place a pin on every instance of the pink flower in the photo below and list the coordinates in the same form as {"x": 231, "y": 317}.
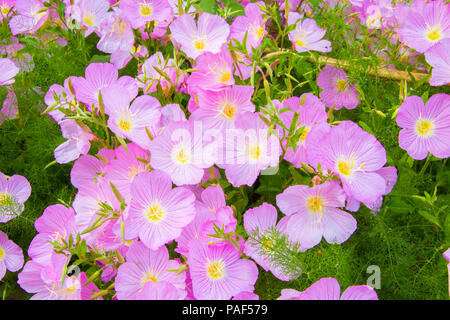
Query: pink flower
{"x": 312, "y": 213}
{"x": 355, "y": 156}
{"x": 329, "y": 289}
{"x": 116, "y": 35}
{"x": 251, "y": 24}
{"x": 336, "y": 90}
{"x": 149, "y": 77}
{"x": 90, "y": 13}
{"x": 8, "y": 71}
{"x": 208, "y": 35}
{"x": 312, "y": 116}
{"x": 439, "y": 58}
{"x": 146, "y": 275}
{"x": 158, "y": 213}
{"x": 56, "y": 223}
{"x": 181, "y": 152}
{"x": 14, "y": 191}
{"x": 87, "y": 170}
{"x": 11, "y": 256}
{"x": 44, "y": 280}
{"x": 30, "y": 16}
{"x": 218, "y": 273}
{"x": 248, "y": 149}
{"x": 133, "y": 121}
{"x": 60, "y": 97}
{"x": 99, "y": 76}
{"x": 424, "y": 28}
{"x": 260, "y": 223}
{"x": 214, "y": 71}
{"x": 10, "y": 107}
{"x": 142, "y": 11}
{"x": 6, "y": 8}
{"x": 77, "y": 143}
{"x": 219, "y": 110}
{"x": 307, "y": 35}
{"x": 425, "y": 128}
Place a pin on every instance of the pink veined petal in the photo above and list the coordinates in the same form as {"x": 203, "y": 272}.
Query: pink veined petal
{"x": 261, "y": 218}
{"x": 19, "y": 187}
{"x": 324, "y": 289}
{"x": 415, "y": 146}
{"x": 363, "y": 292}
{"x": 338, "y": 225}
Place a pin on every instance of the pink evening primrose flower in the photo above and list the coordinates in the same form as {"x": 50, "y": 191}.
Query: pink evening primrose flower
{"x": 311, "y": 116}
{"x": 44, "y": 280}
{"x": 439, "y": 58}
{"x": 56, "y": 223}
{"x": 208, "y": 35}
{"x": 8, "y": 71}
{"x": 181, "y": 152}
{"x": 14, "y": 191}
{"x": 425, "y": 128}
{"x": 58, "y": 97}
{"x": 30, "y": 16}
{"x": 354, "y": 155}
{"x": 329, "y": 289}
{"x": 148, "y": 270}
{"x": 149, "y": 77}
{"x": 260, "y": 223}
{"x": 251, "y": 24}
{"x": 77, "y": 143}
{"x": 90, "y": 13}
{"x": 312, "y": 213}
{"x": 424, "y": 28}
{"x": 218, "y": 272}
{"x": 11, "y": 255}
{"x": 116, "y": 34}
{"x": 336, "y": 90}
{"x": 6, "y": 8}
{"x": 220, "y": 110}
{"x": 307, "y": 35}
{"x": 99, "y": 76}
{"x": 134, "y": 121}
{"x": 214, "y": 71}
{"x": 10, "y": 108}
{"x": 248, "y": 149}
{"x": 142, "y": 11}
{"x": 158, "y": 213}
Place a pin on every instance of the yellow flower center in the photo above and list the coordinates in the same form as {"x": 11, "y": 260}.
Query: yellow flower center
{"x": 345, "y": 167}
{"x": 89, "y": 20}
{"x": 315, "y": 204}
{"x": 300, "y": 42}
{"x": 259, "y": 32}
{"x": 145, "y": 9}
{"x": 150, "y": 276}
{"x": 229, "y": 111}
{"x": 302, "y": 138}
{"x": 4, "y": 10}
{"x": 267, "y": 245}
{"x": 68, "y": 290}
{"x": 133, "y": 172}
{"x": 215, "y": 270}
{"x": 434, "y": 34}
{"x": 2, "y": 253}
{"x": 182, "y": 156}
{"x": 155, "y": 213}
{"x": 341, "y": 85}
{"x": 125, "y": 124}
{"x": 199, "y": 44}
{"x": 4, "y": 198}
{"x": 254, "y": 152}
{"x": 424, "y": 128}
{"x": 225, "y": 76}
